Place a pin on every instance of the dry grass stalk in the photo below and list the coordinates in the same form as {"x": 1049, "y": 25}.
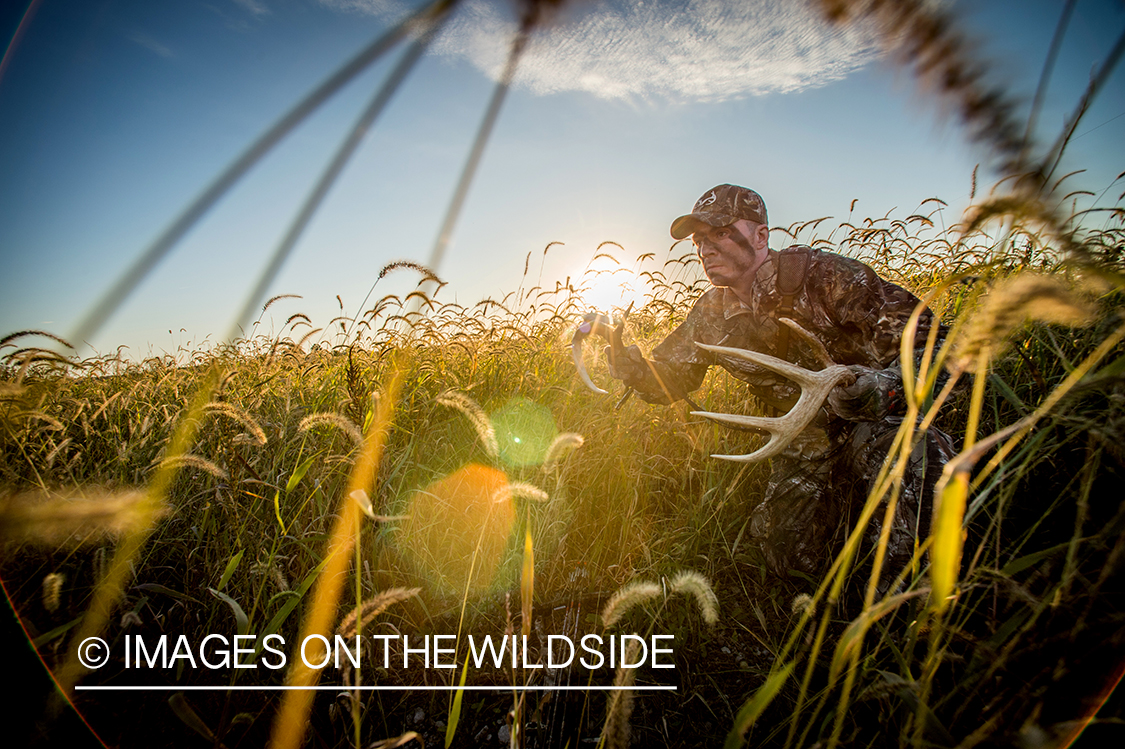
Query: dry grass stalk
{"x": 373, "y": 608}
{"x": 477, "y": 417}
{"x": 84, "y": 516}
{"x": 342, "y": 423}
{"x": 617, "y": 730}
{"x": 626, "y": 598}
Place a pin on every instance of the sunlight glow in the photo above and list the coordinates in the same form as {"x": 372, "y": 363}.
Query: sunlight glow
{"x": 609, "y": 289}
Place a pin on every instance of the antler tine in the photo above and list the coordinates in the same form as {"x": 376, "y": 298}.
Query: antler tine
{"x": 596, "y": 324}
{"x": 815, "y": 387}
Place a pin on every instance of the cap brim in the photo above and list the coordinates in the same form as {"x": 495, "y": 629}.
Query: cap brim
{"x": 685, "y": 226}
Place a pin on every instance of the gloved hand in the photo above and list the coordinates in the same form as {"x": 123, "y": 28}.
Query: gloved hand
{"x": 871, "y": 396}
{"x": 630, "y": 367}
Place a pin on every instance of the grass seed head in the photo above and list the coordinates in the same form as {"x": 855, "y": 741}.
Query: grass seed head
{"x": 279, "y": 578}
{"x": 803, "y": 603}
{"x": 619, "y": 711}
{"x": 477, "y": 417}
{"x": 371, "y": 609}
{"x": 74, "y": 518}
{"x": 626, "y": 598}
{"x": 560, "y": 447}
{"x": 690, "y": 582}
{"x": 523, "y": 490}
{"x": 52, "y": 591}
{"x": 194, "y": 461}
{"x": 342, "y": 423}
{"x": 1013, "y": 302}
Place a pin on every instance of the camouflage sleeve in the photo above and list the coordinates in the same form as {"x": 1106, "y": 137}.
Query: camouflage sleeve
{"x": 869, "y": 315}
{"x": 677, "y": 366}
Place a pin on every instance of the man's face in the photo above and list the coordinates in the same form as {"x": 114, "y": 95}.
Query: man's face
{"x": 731, "y": 254}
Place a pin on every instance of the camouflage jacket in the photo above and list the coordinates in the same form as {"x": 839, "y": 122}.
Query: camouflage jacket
{"x": 858, "y": 316}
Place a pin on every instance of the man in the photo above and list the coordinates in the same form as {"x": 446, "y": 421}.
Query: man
{"x": 819, "y": 483}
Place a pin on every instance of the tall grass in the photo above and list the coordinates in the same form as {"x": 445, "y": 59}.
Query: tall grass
{"x": 441, "y": 458}
{"x": 610, "y": 498}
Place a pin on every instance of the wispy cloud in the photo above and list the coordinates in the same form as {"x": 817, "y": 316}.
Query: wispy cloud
{"x": 382, "y": 8}
{"x": 691, "y": 50}
{"x": 252, "y": 6}
{"x": 149, "y": 43}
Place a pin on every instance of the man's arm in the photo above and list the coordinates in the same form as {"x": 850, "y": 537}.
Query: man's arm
{"x": 677, "y": 366}
{"x": 657, "y": 382}
{"x": 870, "y": 316}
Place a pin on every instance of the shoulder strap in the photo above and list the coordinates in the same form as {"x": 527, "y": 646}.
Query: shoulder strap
{"x": 792, "y": 270}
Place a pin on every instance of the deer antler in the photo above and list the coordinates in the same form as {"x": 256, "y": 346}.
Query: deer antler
{"x": 815, "y": 387}
{"x": 597, "y": 324}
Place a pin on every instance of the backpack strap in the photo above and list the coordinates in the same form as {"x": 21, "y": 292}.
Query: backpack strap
{"x": 792, "y": 270}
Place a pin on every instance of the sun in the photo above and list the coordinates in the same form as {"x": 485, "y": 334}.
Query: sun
{"x": 608, "y": 289}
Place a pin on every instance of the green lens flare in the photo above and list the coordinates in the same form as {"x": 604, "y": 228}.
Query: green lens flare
{"x": 524, "y": 431}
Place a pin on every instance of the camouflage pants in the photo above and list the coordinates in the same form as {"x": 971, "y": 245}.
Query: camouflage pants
{"x": 811, "y": 506}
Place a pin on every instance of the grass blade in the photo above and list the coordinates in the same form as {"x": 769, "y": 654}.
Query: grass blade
{"x": 455, "y": 710}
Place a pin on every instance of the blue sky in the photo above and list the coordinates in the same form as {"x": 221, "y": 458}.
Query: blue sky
{"x": 114, "y": 114}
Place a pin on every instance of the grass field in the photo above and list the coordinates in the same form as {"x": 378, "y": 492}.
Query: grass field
{"x": 452, "y": 476}
{"x": 427, "y": 469}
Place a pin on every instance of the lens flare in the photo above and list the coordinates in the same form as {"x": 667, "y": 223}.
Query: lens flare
{"x": 524, "y": 432}
{"x": 458, "y": 528}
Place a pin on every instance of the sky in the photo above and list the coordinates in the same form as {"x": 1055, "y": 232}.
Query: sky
{"x": 116, "y": 114}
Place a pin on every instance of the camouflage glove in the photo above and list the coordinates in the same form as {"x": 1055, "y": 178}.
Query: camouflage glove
{"x": 872, "y": 396}
{"x": 631, "y": 367}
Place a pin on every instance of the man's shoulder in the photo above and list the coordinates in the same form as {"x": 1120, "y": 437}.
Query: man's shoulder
{"x": 816, "y": 263}
{"x": 825, "y": 257}
{"x": 711, "y": 302}
{"x": 826, "y": 262}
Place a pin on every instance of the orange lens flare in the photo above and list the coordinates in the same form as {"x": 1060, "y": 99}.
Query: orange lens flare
{"x": 458, "y": 528}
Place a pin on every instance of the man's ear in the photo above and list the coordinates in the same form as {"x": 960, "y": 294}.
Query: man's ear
{"x": 762, "y": 235}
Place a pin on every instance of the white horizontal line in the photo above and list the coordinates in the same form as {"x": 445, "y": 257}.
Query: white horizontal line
{"x": 345, "y": 688}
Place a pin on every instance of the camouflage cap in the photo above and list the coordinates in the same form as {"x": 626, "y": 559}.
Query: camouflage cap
{"x": 721, "y": 206}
